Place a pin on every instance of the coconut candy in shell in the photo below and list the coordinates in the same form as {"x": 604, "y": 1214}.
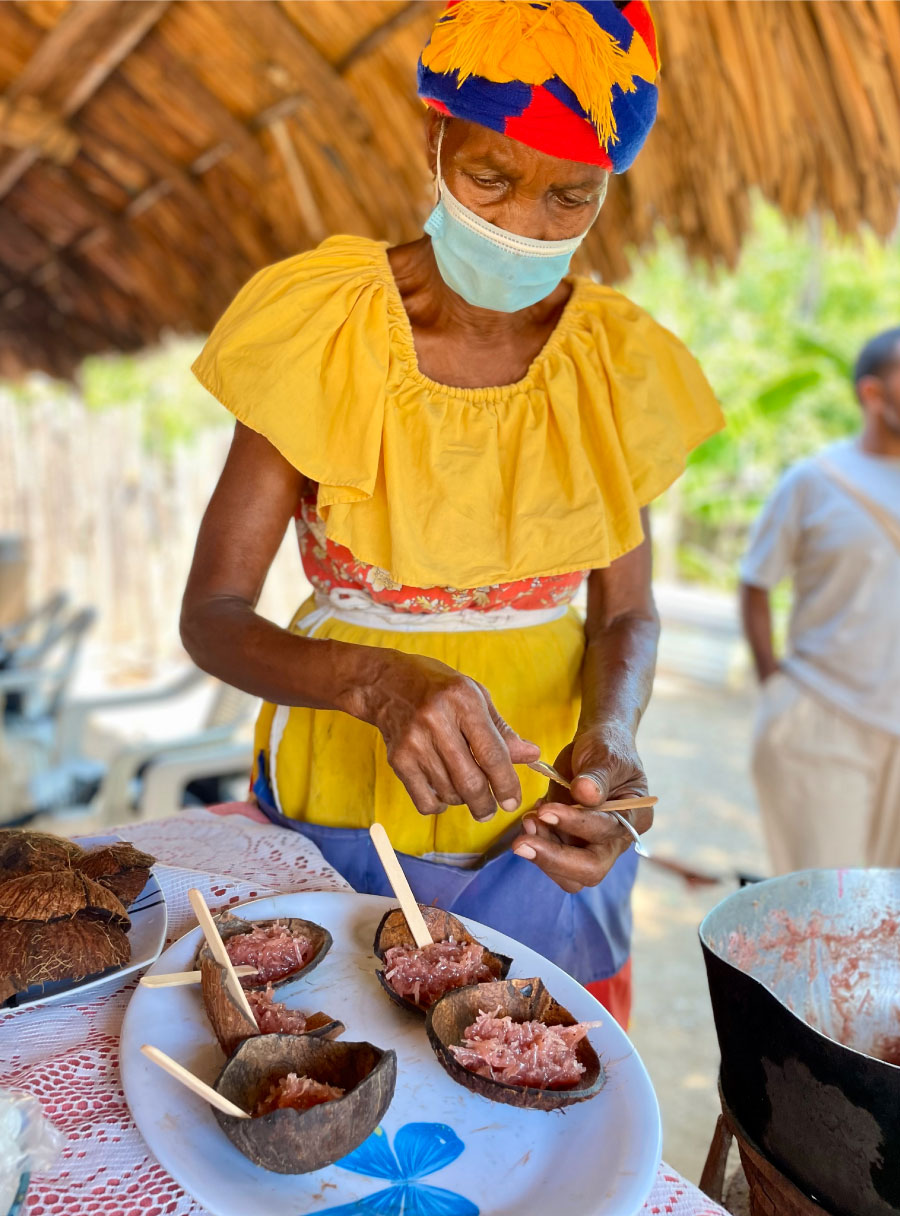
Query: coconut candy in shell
{"x": 229, "y": 1022}
{"x": 296, "y": 1142}
{"x": 394, "y": 931}
{"x": 52, "y": 894}
{"x": 523, "y": 1001}
{"x": 230, "y": 926}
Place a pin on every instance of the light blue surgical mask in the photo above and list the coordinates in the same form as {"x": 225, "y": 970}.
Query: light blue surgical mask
{"x": 488, "y": 266}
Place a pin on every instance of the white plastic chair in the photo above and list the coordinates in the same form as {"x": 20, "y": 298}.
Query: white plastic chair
{"x": 40, "y": 675}
{"x": 18, "y": 642}
{"x": 131, "y": 783}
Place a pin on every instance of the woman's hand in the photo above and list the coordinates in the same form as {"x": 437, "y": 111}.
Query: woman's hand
{"x": 445, "y": 739}
{"x": 577, "y": 845}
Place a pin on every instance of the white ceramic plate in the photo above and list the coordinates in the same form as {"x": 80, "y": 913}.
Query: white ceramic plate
{"x": 147, "y": 936}
{"x": 441, "y": 1150}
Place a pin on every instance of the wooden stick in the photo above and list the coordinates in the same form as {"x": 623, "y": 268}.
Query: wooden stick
{"x": 617, "y": 804}
{"x": 627, "y": 804}
{"x": 175, "y": 979}
{"x": 180, "y": 1073}
{"x": 397, "y": 879}
{"x": 219, "y": 953}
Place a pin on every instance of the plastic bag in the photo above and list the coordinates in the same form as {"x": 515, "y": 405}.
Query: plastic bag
{"x": 29, "y": 1144}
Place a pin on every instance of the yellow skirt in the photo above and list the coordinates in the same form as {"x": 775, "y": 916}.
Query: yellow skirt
{"x": 331, "y": 769}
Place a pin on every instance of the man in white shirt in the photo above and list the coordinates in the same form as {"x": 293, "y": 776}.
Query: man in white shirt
{"x": 826, "y": 752}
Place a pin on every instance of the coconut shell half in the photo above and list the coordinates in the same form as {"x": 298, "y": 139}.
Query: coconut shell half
{"x": 230, "y": 925}
{"x": 52, "y": 894}
{"x": 120, "y": 867}
{"x": 40, "y": 952}
{"x": 523, "y": 1001}
{"x": 231, "y": 1024}
{"x": 297, "y": 1142}
{"x": 394, "y": 931}
{"x": 23, "y": 852}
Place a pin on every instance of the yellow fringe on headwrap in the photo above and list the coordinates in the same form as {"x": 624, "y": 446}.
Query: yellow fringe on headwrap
{"x": 505, "y": 40}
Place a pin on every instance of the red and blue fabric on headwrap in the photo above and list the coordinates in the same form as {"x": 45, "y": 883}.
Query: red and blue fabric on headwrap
{"x": 572, "y": 78}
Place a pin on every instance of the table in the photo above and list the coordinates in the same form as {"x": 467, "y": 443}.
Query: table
{"x": 68, "y": 1054}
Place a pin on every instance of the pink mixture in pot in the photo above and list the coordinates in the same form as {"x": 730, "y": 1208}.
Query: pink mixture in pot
{"x": 522, "y": 1053}
{"x": 272, "y": 950}
{"x": 422, "y": 974}
{"x": 295, "y": 1092}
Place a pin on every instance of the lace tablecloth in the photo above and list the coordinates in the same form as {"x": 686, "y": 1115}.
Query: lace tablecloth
{"x": 68, "y": 1054}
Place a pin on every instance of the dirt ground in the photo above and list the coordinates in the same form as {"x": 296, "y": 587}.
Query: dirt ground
{"x": 695, "y": 744}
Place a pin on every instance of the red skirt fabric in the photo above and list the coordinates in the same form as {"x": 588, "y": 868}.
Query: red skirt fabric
{"x": 614, "y": 994}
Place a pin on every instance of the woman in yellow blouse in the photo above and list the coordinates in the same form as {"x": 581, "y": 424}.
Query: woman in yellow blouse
{"x": 463, "y": 432}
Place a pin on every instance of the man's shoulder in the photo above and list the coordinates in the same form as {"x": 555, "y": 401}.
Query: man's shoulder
{"x": 813, "y": 469}
{"x": 804, "y": 472}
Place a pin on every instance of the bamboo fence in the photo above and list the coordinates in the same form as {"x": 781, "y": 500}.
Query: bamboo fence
{"x": 114, "y": 525}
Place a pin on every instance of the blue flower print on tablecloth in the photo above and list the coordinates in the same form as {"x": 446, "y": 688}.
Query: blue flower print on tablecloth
{"x": 419, "y": 1149}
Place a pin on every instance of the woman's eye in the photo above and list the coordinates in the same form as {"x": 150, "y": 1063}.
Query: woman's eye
{"x": 485, "y": 181}
{"x": 569, "y": 200}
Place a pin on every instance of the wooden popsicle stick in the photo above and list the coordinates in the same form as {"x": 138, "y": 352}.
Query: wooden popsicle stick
{"x": 627, "y": 804}
{"x": 180, "y": 1073}
{"x": 219, "y": 953}
{"x": 175, "y": 979}
{"x": 397, "y": 879}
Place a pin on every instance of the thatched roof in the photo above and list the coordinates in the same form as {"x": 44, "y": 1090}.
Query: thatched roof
{"x": 153, "y": 154}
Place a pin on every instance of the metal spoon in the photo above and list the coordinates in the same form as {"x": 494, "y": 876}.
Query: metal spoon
{"x": 547, "y": 770}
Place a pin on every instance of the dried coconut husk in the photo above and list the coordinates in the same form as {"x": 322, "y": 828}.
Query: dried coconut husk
{"x": 394, "y": 931}
{"x": 52, "y": 894}
{"x": 40, "y": 952}
{"x": 121, "y": 868}
{"x": 14, "y": 938}
{"x": 23, "y": 852}
{"x": 230, "y": 925}
{"x": 126, "y": 886}
{"x": 294, "y": 1141}
{"x": 229, "y": 1022}
{"x": 523, "y": 1001}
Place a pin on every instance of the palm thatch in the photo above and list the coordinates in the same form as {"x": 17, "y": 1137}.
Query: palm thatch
{"x": 154, "y": 153}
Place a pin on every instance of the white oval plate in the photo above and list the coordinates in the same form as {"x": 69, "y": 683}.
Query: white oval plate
{"x": 441, "y": 1150}
{"x": 147, "y": 935}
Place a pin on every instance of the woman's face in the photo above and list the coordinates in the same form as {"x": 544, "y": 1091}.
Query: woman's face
{"x": 513, "y": 186}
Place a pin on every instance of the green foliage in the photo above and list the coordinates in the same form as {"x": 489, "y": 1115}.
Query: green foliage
{"x": 174, "y": 405}
{"x": 777, "y": 340}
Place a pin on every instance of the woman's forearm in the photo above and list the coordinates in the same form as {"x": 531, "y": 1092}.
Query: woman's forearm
{"x": 227, "y": 638}
{"x": 617, "y": 675}
{"x": 622, "y": 630}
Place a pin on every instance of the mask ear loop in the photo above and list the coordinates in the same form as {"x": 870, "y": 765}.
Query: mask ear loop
{"x": 439, "y": 177}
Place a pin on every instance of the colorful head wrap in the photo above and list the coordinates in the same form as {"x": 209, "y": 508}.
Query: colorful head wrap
{"x": 573, "y": 78}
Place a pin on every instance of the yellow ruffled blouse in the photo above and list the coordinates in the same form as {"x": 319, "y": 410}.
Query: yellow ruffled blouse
{"x": 458, "y": 487}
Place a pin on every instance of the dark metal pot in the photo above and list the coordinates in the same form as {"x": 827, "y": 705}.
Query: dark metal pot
{"x": 804, "y": 976}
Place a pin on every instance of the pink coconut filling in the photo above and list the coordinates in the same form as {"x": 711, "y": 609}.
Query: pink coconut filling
{"x": 295, "y": 1092}
{"x": 423, "y": 974}
{"x": 272, "y": 949}
{"x": 273, "y": 1017}
{"x": 522, "y": 1053}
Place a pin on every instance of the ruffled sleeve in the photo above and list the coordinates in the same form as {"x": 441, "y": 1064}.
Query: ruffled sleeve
{"x": 662, "y": 404}
{"x": 301, "y": 356}
{"x": 452, "y": 486}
